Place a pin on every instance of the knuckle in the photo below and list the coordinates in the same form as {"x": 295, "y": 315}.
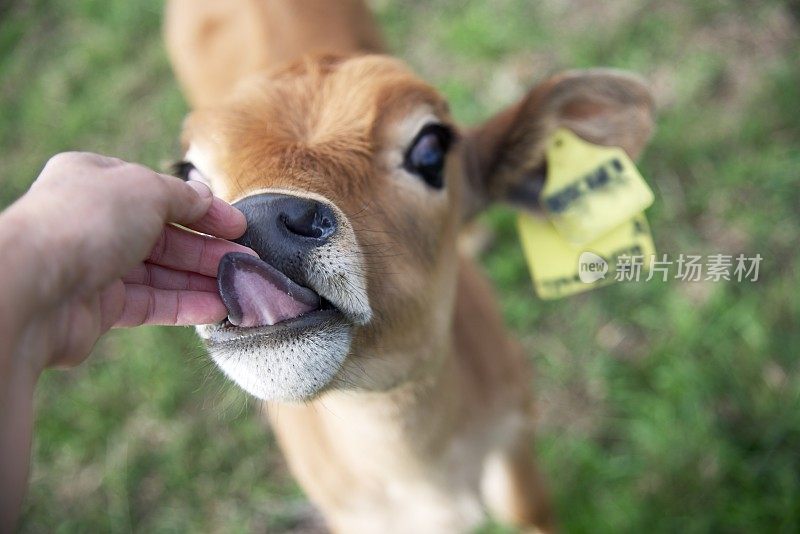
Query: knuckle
{"x": 177, "y": 308}
{"x": 136, "y": 172}
{"x": 74, "y": 165}
{"x": 63, "y": 166}
{"x": 152, "y": 308}
{"x": 63, "y": 159}
{"x": 110, "y": 162}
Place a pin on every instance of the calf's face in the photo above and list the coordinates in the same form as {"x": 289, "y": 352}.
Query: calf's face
{"x": 355, "y": 181}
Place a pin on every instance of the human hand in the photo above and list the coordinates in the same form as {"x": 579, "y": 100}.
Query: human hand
{"x": 95, "y": 250}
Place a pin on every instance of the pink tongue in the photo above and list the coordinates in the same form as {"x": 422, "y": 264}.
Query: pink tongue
{"x": 257, "y": 294}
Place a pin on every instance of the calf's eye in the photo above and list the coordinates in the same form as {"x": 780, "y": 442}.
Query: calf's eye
{"x": 186, "y": 171}
{"x": 427, "y": 153}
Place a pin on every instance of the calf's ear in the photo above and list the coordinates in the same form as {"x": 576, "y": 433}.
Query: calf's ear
{"x": 504, "y": 158}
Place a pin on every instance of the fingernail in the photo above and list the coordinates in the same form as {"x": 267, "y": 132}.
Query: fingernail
{"x": 200, "y": 188}
{"x": 250, "y": 251}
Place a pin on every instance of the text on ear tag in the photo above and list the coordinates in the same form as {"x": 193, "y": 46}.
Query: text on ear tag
{"x": 590, "y": 189}
{"x": 560, "y": 268}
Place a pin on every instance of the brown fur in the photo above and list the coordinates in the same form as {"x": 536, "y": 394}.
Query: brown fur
{"x": 213, "y": 44}
{"x": 435, "y": 396}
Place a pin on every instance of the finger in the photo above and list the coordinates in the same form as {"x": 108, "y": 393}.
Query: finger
{"x": 112, "y": 302}
{"x": 186, "y": 202}
{"x": 183, "y": 250}
{"x": 149, "y": 274}
{"x": 147, "y": 305}
{"x": 221, "y": 220}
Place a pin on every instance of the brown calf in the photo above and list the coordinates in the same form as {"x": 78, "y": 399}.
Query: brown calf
{"x": 399, "y": 399}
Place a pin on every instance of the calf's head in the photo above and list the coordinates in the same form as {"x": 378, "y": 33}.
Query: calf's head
{"x": 355, "y": 182}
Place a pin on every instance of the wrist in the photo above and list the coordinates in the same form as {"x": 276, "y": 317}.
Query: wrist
{"x": 16, "y": 425}
{"x": 25, "y": 280}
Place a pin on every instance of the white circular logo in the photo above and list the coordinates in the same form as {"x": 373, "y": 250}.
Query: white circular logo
{"x": 591, "y": 267}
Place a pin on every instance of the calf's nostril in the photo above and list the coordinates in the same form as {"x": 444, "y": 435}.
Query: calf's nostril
{"x": 314, "y": 221}
{"x": 324, "y": 225}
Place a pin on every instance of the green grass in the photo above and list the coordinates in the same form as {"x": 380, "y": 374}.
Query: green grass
{"x": 663, "y": 406}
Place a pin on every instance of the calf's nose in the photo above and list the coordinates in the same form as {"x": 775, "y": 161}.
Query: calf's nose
{"x": 285, "y": 226}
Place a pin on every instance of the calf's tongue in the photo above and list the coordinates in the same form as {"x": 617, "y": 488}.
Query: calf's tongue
{"x": 257, "y": 294}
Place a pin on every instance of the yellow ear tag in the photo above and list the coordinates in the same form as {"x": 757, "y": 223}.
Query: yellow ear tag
{"x": 590, "y": 189}
{"x": 559, "y": 268}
